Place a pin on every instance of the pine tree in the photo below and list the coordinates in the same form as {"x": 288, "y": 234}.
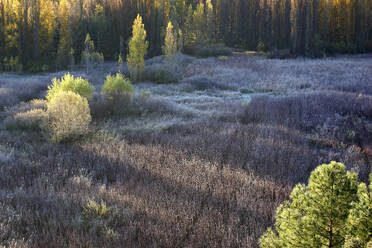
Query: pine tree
{"x": 317, "y": 213}
{"x": 360, "y": 218}
{"x": 137, "y": 49}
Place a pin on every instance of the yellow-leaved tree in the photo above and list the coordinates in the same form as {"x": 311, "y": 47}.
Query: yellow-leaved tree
{"x": 137, "y": 50}
{"x": 170, "y": 44}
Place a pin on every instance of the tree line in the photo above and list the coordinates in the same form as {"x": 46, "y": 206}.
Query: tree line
{"x": 48, "y": 33}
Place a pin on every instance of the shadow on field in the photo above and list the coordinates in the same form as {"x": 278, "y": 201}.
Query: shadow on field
{"x": 175, "y": 200}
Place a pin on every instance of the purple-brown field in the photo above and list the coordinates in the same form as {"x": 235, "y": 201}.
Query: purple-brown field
{"x": 200, "y": 163}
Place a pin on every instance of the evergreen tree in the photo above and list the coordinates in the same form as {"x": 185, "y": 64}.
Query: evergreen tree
{"x": 137, "y": 49}
{"x": 317, "y": 213}
{"x": 360, "y": 218}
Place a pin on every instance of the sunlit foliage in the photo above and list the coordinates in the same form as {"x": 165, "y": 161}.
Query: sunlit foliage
{"x": 68, "y": 82}
{"x": 137, "y": 49}
{"x": 324, "y": 212}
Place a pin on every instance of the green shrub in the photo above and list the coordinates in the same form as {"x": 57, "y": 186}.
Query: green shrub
{"x": 77, "y": 85}
{"x": 117, "y": 86}
{"x": 69, "y": 115}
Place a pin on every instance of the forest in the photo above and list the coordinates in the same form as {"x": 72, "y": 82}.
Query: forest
{"x": 46, "y": 35}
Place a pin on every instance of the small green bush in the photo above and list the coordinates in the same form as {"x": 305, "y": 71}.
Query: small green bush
{"x": 93, "y": 209}
{"x": 117, "y": 86}
{"x": 77, "y": 85}
{"x": 69, "y": 115}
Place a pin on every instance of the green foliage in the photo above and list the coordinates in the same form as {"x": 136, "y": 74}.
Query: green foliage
{"x": 98, "y": 218}
{"x": 317, "y": 213}
{"x": 170, "y": 44}
{"x": 68, "y": 82}
{"x": 137, "y": 50}
{"x": 92, "y": 209}
{"x": 360, "y": 218}
{"x": 352, "y": 242}
{"x": 117, "y": 86}
{"x": 69, "y": 116}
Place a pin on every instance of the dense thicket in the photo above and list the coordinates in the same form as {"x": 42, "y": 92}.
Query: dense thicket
{"x": 33, "y": 31}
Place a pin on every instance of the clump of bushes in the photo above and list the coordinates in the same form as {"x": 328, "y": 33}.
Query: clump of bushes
{"x": 117, "y": 86}
{"x": 208, "y": 50}
{"x": 117, "y": 96}
{"x": 69, "y": 115}
{"x": 66, "y": 115}
{"x": 77, "y": 85}
{"x": 67, "y": 107}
